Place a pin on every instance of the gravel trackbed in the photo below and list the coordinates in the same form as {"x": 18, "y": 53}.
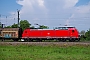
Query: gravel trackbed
{"x": 46, "y": 43}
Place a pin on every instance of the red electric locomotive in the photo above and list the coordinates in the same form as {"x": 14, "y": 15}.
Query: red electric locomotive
{"x": 62, "y": 33}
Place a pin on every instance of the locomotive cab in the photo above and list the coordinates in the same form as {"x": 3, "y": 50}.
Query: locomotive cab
{"x": 73, "y": 34}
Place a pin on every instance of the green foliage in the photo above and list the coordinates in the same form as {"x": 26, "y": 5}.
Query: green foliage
{"x": 14, "y": 26}
{"x": 8, "y": 27}
{"x": 0, "y": 26}
{"x": 82, "y": 38}
{"x": 82, "y": 32}
{"x": 87, "y": 34}
{"x": 24, "y": 24}
{"x": 43, "y": 27}
{"x": 32, "y": 27}
{"x": 33, "y": 52}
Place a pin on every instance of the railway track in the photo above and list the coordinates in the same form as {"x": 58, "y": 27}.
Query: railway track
{"x": 46, "y": 43}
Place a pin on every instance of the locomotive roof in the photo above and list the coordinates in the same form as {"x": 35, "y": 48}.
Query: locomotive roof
{"x": 53, "y": 28}
{"x": 65, "y": 26}
{"x": 10, "y": 29}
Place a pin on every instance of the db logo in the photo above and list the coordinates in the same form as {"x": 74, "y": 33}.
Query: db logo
{"x": 48, "y": 33}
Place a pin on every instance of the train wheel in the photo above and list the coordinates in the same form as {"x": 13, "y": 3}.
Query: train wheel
{"x": 70, "y": 40}
{"x": 64, "y": 40}
{"x": 15, "y": 39}
{"x": 73, "y": 40}
{"x": 25, "y": 40}
{"x": 78, "y": 40}
{"x": 60, "y": 40}
{"x": 30, "y": 40}
{"x": 3, "y": 39}
{"x": 40, "y": 40}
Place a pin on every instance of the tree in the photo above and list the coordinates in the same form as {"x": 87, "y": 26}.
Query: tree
{"x": 43, "y": 27}
{"x": 0, "y": 25}
{"x": 14, "y": 25}
{"x": 24, "y": 24}
{"x": 82, "y": 32}
{"x": 87, "y": 34}
{"x": 32, "y": 27}
{"x": 82, "y": 35}
{"x": 8, "y": 27}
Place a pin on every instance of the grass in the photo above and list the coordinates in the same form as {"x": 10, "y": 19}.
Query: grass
{"x": 50, "y": 52}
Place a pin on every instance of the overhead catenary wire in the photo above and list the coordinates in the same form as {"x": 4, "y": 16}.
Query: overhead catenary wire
{"x": 0, "y": 19}
{"x": 45, "y": 18}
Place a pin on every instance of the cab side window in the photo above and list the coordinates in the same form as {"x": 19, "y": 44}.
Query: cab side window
{"x": 25, "y": 31}
{"x": 73, "y": 31}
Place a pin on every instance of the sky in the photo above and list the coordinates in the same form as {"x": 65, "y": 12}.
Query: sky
{"x": 51, "y": 13}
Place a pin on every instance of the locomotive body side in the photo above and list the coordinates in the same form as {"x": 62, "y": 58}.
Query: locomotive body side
{"x": 38, "y": 34}
{"x": 61, "y": 34}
